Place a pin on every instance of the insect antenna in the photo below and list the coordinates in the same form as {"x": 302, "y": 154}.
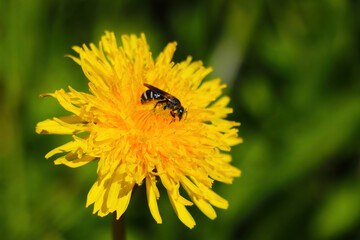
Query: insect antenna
{"x": 186, "y": 111}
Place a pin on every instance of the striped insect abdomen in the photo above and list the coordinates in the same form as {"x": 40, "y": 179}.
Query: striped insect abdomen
{"x": 150, "y": 95}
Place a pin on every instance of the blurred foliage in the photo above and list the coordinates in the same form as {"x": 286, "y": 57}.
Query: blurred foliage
{"x": 293, "y": 73}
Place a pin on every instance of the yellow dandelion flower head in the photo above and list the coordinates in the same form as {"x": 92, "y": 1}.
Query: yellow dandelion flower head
{"x": 133, "y": 142}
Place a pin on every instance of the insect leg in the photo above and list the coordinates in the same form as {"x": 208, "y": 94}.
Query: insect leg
{"x": 163, "y": 101}
{"x": 167, "y": 105}
{"x": 173, "y": 115}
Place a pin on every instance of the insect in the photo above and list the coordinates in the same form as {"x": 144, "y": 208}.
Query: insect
{"x": 164, "y": 98}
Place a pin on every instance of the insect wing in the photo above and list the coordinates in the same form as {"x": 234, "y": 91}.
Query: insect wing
{"x": 155, "y": 89}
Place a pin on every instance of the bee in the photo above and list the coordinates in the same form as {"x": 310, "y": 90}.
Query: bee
{"x": 164, "y": 98}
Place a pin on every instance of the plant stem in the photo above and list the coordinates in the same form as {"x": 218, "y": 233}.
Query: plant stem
{"x": 119, "y": 228}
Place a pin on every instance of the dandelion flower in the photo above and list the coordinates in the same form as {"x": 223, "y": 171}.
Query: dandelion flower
{"x": 133, "y": 142}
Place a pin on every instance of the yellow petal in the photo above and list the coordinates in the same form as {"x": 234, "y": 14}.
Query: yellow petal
{"x": 103, "y": 211}
{"x": 114, "y": 191}
{"x": 124, "y": 199}
{"x": 204, "y": 207}
{"x": 152, "y": 199}
{"x": 81, "y": 142}
{"x": 65, "y": 101}
{"x": 74, "y": 163}
{"x": 75, "y": 59}
{"x": 180, "y": 199}
{"x": 63, "y": 125}
{"x": 195, "y": 195}
{"x": 99, "y": 203}
{"x": 181, "y": 211}
{"x": 214, "y": 198}
{"x": 166, "y": 56}
{"x": 96, "y": 191}
{"x": 67, "y": 147}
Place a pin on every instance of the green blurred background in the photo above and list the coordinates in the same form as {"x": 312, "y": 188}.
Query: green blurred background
{"x": 292, "y": 69}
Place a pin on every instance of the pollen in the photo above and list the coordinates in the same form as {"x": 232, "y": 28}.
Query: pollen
{"x": 134, "y": 143}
